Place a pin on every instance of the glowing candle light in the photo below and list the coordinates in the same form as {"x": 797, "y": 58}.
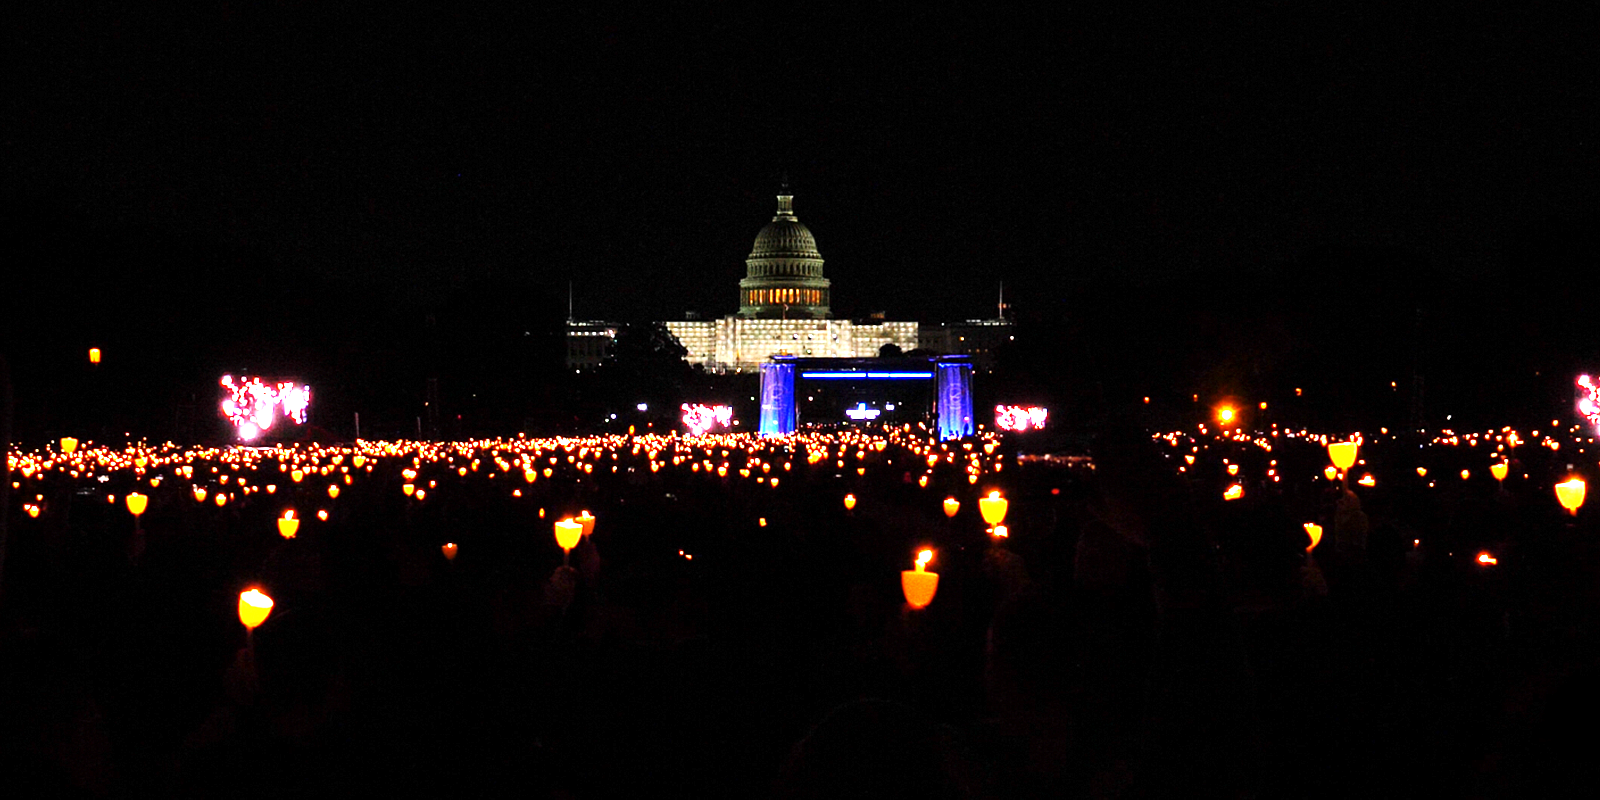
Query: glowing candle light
{"x": 322, "y": 514}
{"x": 94, "y": 355}
{"x": 1570, "y": 494}
{"x": 1367, "y": 481}
{"x": 1315, "y": 532}
{"x": 1343, "y": 454}
{"x": 137, "y": 503}
{"x": 69, "y": 445}
{"x": 993, "y": 508}
{"x": 568, "y": 532}
{"x": 288, "y": 525}
{"x": 849, "y": 502}
{"x": 919, "y": 585}
{"x": 1233, "y": 492}
{"x": 222, "y": 499}
{"x": 951, "y": 506}
{"x": 587, "y": 521}
{"x": 449, "y": 550}
{"x": 1233, "y": 469}
{"x": 1486, "y": 559}
{"x": 1499, "y": 470}
{"x": 254, "y": 606}
{"x": 1000, "y": 532}
{"x": 1422, "y": 472}
{"x": 333, "y": 491}
{"x": 1330, "y": 472}
{"x": 409, "y": 489}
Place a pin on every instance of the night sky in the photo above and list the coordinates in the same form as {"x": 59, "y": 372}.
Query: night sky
{"x": 1275, "y": 190}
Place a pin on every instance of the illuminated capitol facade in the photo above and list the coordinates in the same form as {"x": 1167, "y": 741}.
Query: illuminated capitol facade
{"x": 784, "y": 309}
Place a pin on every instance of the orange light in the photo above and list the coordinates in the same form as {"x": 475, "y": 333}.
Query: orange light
{"x": 254, "y": 607}
{"x": 587, "y": 521}
{"x": 449, "y": 550}
{"x": 1487, "y": 560}
{"x": 1499, "y": 470}
{"x": 849, "y": 502}
{"x": 951, "y": 506}
{"x": 918, "y": 584}
{"x": 993, "y": 508}
{"x": 1225, "y": 415}
{"x": 333, "y": 491}
{"x": 1233, "y": 492}
{"x": 1315, "y": 532}
{"x": 568, "y": 532}
{"x": 94, "y": 355}
{"x": 1343, "y": 454}
{"x": 137, "y": 503}
{"x": 1000, "y": 532}
{"x": 288, "y": 526}
{"x": 1330, "y": 472}
{"x": 1367, "y": 481}
{"x": 1570, "y": 494}
{"x": 68, "y": 444}
{"x": 409, "y": 489}
{"x": 1422, "y": 472}
{"x": 322, "y": 514}
{"x": 296, "y": 475}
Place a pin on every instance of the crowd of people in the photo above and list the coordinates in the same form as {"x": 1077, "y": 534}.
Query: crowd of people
{"x": 1134, "y": 636}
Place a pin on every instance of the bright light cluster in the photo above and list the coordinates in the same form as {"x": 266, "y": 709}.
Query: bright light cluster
{"x": 700, "y": 418}
{"x": 1589, "y": 404}
{"x": 1020, "y": 418}
{"x": 252, "y": 405}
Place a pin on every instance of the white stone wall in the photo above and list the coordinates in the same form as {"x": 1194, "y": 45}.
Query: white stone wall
{"x": 735, "y": 344}
{"x": 870, "y": 338}
{"x": 699, "y": 337}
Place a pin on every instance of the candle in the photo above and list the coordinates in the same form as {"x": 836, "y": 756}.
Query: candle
{"x": 568, "y": 532}
{"x": 1499, "y": 470}
{"x": 288, "y": 525}
{"x": 449, "y": 550}
{"x": 1315, "y": 532}
{"x": 993, "y": 508}
{"x": 849, "y": 502}
{"x": 137, "y": 503}
{"x": 951, "y": 506}
{"x": 918, "y": 584}
{"x": 587, "y": 521}
{"x": 1570, "y": 494}
{"x": 1343, "y": 454}
{"x": 254, "y": 606}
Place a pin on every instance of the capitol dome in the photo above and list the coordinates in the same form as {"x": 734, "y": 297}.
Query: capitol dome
{"x": 783, "y": 276}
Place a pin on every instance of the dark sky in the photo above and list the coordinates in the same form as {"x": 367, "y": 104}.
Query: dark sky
{"x": 393, "y": 153}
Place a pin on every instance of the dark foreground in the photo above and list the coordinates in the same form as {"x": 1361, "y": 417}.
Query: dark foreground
{"x": 1135, "y": 637}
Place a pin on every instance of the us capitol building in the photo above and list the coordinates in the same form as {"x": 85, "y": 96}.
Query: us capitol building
{"x": 783, "y": 310}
